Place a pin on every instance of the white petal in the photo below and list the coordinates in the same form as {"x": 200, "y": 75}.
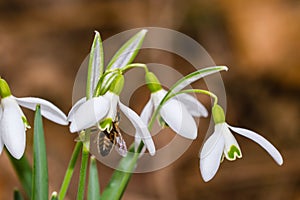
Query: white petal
{"x": 141, "y": 129}
{"x": 211, "y": 153}
{"x": 48, "y": 110}
{"x": 89, "y": 113}
{"x": 156, "y": 97}
{"x": 113, "y": 99}
{"x": 145, "y": 116}
{"x": 75, "y": 107}
{"x": 261, "y": 141}
{"x": 147, "y": 112}
{"x": 232, "y": 149}
{"x": 12, "y": 128}
{"x": 1, "y": 143}
{"x": 193, "y": 105}
{"x": 179, "y": 119}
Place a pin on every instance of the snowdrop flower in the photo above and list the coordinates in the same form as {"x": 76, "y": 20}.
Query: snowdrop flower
{"x": 223, "y": 144}
{"x": 13, "y": 122}
{"x": 102, "y": 111}
{"x": 177, "y": 112}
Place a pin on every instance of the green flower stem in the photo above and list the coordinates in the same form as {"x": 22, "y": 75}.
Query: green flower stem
{"x": 134, "y": 65}
{"x": 70, "y": 170}
{"x": 197, "y": 91}
{"x": 82, "y": 174}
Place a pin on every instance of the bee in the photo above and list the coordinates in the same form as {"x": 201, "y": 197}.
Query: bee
{"x": 107, "y": 140}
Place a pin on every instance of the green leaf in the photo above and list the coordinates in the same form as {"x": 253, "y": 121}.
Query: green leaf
{"x": 93, "y": 186}
{"x": 24, "y": 173}
{"x": 128, "y": 51}
{"x": 96, "y": 64}
{"x": 18, "y": 195}
{"x": 194, "y": 76}
{"x": 40, "y": 167}
{"x": 121, "y": 176}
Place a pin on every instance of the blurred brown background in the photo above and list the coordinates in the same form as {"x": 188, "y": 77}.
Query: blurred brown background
{"x": 42, "y": 44}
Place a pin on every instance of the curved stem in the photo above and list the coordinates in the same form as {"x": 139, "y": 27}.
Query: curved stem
{"x": 67, "y": 179}
{"x": 134, "y": 65}
{"x": 197, "y": 91}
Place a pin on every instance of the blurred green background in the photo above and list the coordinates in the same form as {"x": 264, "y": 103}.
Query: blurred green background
{"x": 42, "y": 44}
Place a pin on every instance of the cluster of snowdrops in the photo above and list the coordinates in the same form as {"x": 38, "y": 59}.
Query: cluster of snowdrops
{"x": 175, "y": 107}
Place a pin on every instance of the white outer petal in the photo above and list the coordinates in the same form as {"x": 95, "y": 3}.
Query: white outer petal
{"x": 265, "y": 144}
{"x": 75, "y": 107}
{"x": 113, "y": 99}
{"x": 48, "y": 110}
{"x": 89, "y": 113}
{"x": 156, "y": 97}
{"x": 1, "y": 143}
{"x": 179, "y": 119}
{"x": 12, "y": 128}
{"x": 141, "y": 129}
{"x": 193, "y": 105}
{"x": 145, "y": 116}
{"x": 211, "y": 153}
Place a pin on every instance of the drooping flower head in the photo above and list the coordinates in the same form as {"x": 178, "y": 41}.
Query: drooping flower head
{"x": 222, "y": 144}
{"x": 13, "y": 122}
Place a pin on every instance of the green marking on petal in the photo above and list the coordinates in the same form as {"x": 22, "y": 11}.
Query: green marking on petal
{"x": 26, "y": 123}
{"x": 233, "y": 153}
{"x": 106, "y": 124}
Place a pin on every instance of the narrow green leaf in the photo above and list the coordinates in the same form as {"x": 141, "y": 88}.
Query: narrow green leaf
{"x": 96, "y": 64}
{"x": 93, "y": 186}
{"x": 194, "y": 76}
{"x": 24, "y": 173}
{"x": 128, "y": 51}
{"x": 17, "y": 195}
{"x": 40, "y": 167}
{"x": 121, "y": 176}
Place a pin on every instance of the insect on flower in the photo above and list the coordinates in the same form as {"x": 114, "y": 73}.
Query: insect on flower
{"x": 106, "y": 140}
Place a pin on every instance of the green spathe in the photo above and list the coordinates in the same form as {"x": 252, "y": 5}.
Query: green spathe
{"x": 4, "y": 89}
{"x": 218, "y": 114}
{"x": 117, "y": 85}
{"x": 152, "y": 82}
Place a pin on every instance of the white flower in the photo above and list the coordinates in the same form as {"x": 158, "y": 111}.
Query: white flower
{"x": 13, "y": 123}
{"x": 86, "y": 114}
{"x": 177, "y": 112}
{"x": 222, "y": 143}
